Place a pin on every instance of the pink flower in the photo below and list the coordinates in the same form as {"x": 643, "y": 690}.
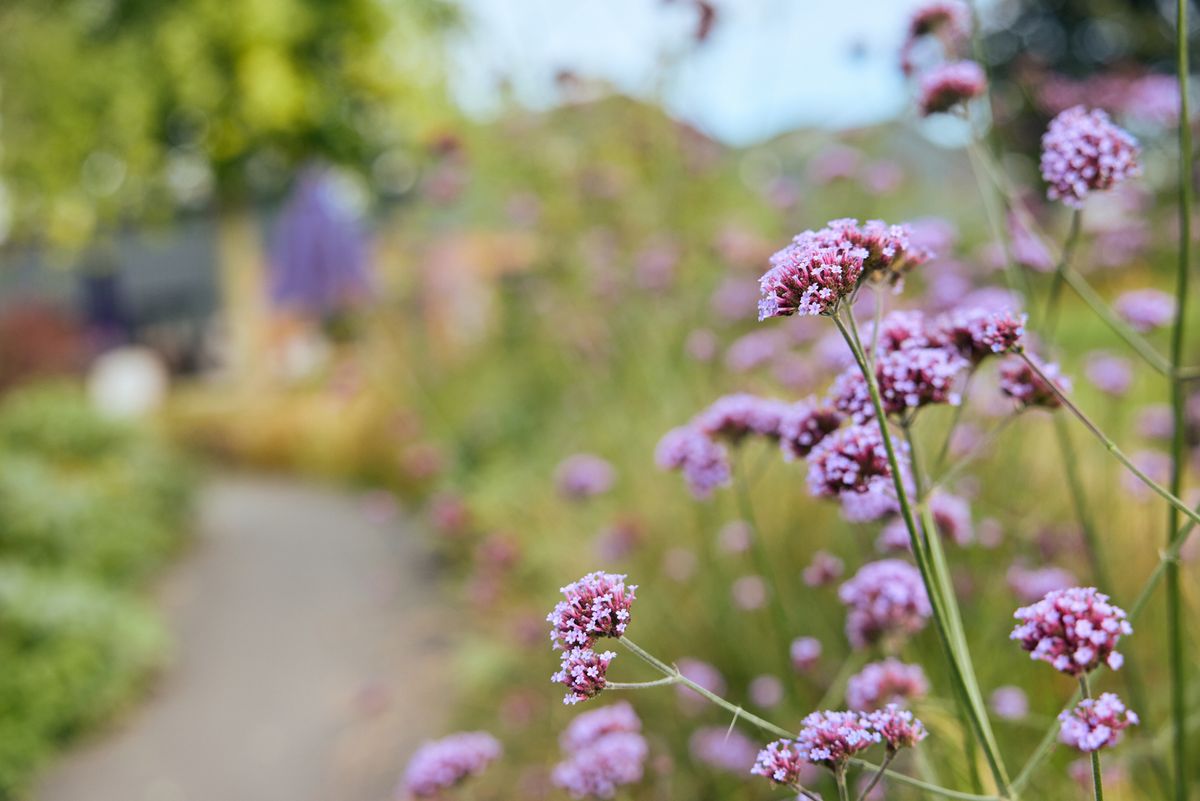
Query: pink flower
{"x": 1019, "y": 382}
{"x": 978, "y": 333}
{"x": 766, "y": 691}
{"x": 808, "y": 277}
{"x": 1010, "y": 703}
{"x": 898, "y": 728}
{"x": 749, "y": 593}
{"x": 848, "y": 460}
{"x": 722, "y": 748}
{"x": 824, "y": 568}
{"x": 583, "y": 673}
{"x": 950, "y": 85}
{"x": 1096, "y": 723}
{"x": 584, "y": 475}
{"x": 805, "y": 651}
{"x": 908, "y": 379}
{"x": 888, "y": 682}
{"x": 803, "y": 425}
{"x": 604, "y": 751}
{"x": 885, "y": 599}
{"x": 1075, "y": 630}
{"x": 596, "y": 606}
{"x": 1084, "y": 152}
{"x": 830, "y": 738}
{"x": 704, "y": 463}
{"x": 441, "y": 764}
{"x": 1110, "y": 374}
{"x": 781, "y": 762}
{"x": 1145, "y": 309}
{"x": 594, "y": 724}
{"x": 734, "y": 417}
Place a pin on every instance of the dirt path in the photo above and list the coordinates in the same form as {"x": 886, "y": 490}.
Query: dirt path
{"x": 309, "y": 660}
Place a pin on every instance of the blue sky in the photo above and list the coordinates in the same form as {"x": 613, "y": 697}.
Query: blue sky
{"x": 770, "y": 65}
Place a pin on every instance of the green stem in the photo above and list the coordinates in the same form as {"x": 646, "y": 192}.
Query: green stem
{"x": 1097, "y": 786}
{"x": 840, "y": 776}
{"x": 1176, "y": 645}
{"x": 878, "y": 775}
{"x": 1111, "y": 446}
{"x": 640, "y": 685}
{"x": 958, "y": 661}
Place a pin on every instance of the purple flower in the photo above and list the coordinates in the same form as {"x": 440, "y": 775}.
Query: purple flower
{"x": 1019, "y": 382}
{"x": 809, "y": 277}
{"x": 1084, "y": 152}
{"x": 704, "y": 463}
{"x": 950, "y": 85}
{"x": 749, "y": 592}
{"x": 601, "y": 768}
{"x": 978, "y": 333}
{"x": 885, "y": 599}
{"x": 940, "y": 17}
{"x": 830, "y": 738}
{"x": 766, "y": 691}
{"x": 899, "y": 330}
{"x": 1030, "y": 584}
{"x": 825, "y": 568}
{"x": 589, "y": 727}
{"x": 1075, "y": 630}
{"x": 596, "y": 606}
{"x": 1110, "y": 374}
{"x": 888, "y": 682}
{"x": 877, "y": 502}
{"x": 441, "y": 764}
{"x": 735, "y": 536}
{"x": 908, "y": 379}
{"x": 898, "y": 727}
{"x": 1095, "y": 723}
{"x": 734, "y": 417}
{"x": 803, "y": 425}
{"x": 583, "y": 673}
{"x": 1010, "y": 703}
{"x": 722, "y": 748}
{"x": 1145, "y": 309}
{"x": 782, "y": 763}
{"x": 754, "y": 350}
{"x": 848, "y": 460}
{"x": 584, "y": 475}
{"x": 890, "y": 251}
{"x": 805, "y": 651}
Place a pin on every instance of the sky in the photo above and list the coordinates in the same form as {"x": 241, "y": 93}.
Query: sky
{"x": 770, "y": 66}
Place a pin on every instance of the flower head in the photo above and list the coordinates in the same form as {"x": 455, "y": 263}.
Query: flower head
{"x": 885, "y": 598}
{"x": 805, "y": 651}
{"x": 890, "y": 250}
{"x": 1096, "y": 723}
{"x": 598, "y": 770}
{"x": 1010, "y": 703}
{"x": 1084, "y": 152}
{"x": 888, "y": 682}
{"x": 809, "y": 277}
{"x": 590, "y": 726}
{"x": 584, "y": 475}
{"x": 781, "y": 762}
{"x": 1145, "y": 309}
{"x": 940, "y": 16}
{"x": 1110, "y": 374}
{"x": 583, "y": 673}
{"x": 1075, "y": 630}
{"x": 898, "y": 727}
{"x": 441, "y": 764}
{"x": 829, "y": 739}
{"x": 734, "y": 417}
{"x": 704, "y": 463}
{"x": 978, "y": 333}
{"x": 950, "y": 85}
{"x": 596, "y": 606}
{"x": 915, "y": 377}
{"x": 803, "y": 425}
{"x": 825, "y": 568}
{"x": 1019, "y": 382}
{"x": 848, "y": 460}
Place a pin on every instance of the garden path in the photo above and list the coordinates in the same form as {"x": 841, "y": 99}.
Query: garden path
{"x": 309, "y": 659}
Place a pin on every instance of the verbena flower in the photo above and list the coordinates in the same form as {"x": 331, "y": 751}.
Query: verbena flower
{"x": 781, "y": 762}
{"x": 829, "y": 738}
{"x": 590, "y": 726}
{"x": 1019, "y": 382}
{"x": 824, "y": 568}
{"x": 898, "y": 330}
{"x": 1075, "y": 630}
{"x": 1095, "y": 723}
{"x": 600, "y": 769}
{"x": 704, "y": 463}
{"x": 809, "y": 277}
{"x": 888, "y": 682}
{"x": 583, "y": 673}
{"x": 734, "y": 417}
{"x": 1084, "y": 152}
{"x": 1112, "y": 375}
{"x": 908, "y": 379}
{"x": 950, "y": 85}
{"x": 441, "y": 764}
{"x": 584, "y": 475}
{"x": 850, "y": 459}
{"x": 1010, "y": 703}
{"x": 949, "y": 21}
{"x": 885, "y": 598}
{"x": 876, "y": 503}
{"x": 596, "y": 605}
{"x": 979, "y": 333}
{"x": 766, "y": 691}
{"x": 897, "y": 727}
{"x": 803, "y": 425}
{"x": 890, "y": 250}
{"x": 1145, "y": 309}
{"x": 805, "y": 652}
{"x": 723, "y": 748}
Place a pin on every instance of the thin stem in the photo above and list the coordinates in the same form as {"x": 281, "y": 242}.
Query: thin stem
{"x": 1133, "y": 339}
{"x": 958, "y": 660}
{"x": 1178, "y": 674}
{"x": 1111, "y": 446}
{"x": 1050, "y": 314}
{"x": 640, "y": 685}
{"x": 840, "y": 776}
{"x": 1044, "y": 747}
{"x": 1097, "y": 786}
{"x": 878, "y": 775}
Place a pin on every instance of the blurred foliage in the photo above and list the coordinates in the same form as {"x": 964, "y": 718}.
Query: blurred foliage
{"x": 89, "y": 508}
{"x": 117, "y": 109}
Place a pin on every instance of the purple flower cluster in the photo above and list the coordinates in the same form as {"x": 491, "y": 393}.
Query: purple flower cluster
{"x": 781, "y": 762}
{"x": 596, "y": 605}
{"x": 947, "y": 20}
{"x": 1096, "y": 723}
{"x": 950, "y": 85}
{"x": 584, "y": 475}
{"x": 704, "y": 463}
{"x": 886, "y": 599}
{"x": 888, "y": 682}
{"x": 441, "y": 764}
{"x": 831, "y": 738}
{"x": 1019, "y": 382}
{"x": 850, "y": 459}
{"x": 803, "y": 425}
{"x": 604, "y": 749}
{"x": 734, "y": 417}
{"x": 825, "y": 568}
{"x": 1075, "y": 630}
{"x": 1084, "y": 152}
{"x": 898, "y": 727}
{"x": 583, "y": 673}
{"x": 1145, "y": 309}
{"x": 805, "y": 651}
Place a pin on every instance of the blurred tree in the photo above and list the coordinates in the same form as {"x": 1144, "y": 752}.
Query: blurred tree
{"x": 119, "y": 109}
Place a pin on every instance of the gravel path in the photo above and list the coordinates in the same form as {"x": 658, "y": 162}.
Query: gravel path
{"x": 310, "y": 660}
